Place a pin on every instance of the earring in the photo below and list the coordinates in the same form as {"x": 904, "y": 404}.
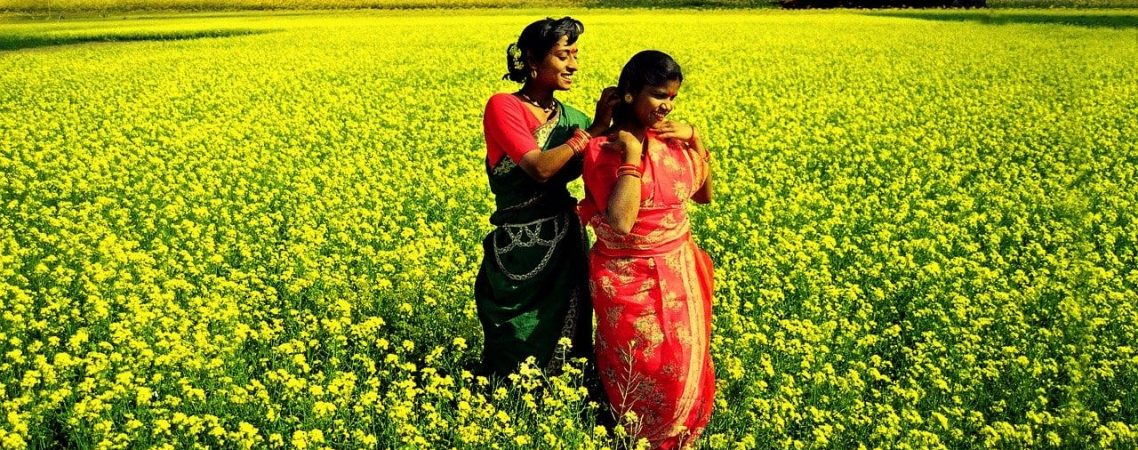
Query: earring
{"x": 628, "y": 98}
{"x": 533, "y": 74}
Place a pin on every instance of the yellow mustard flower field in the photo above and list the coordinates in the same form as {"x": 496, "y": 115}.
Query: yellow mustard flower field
{"x": 261, "y": 230}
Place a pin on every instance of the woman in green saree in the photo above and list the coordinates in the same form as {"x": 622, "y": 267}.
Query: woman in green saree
{"x": 532, "y": 286}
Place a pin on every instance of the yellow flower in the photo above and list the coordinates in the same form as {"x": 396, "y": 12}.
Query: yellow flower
{"x": 323, "y": 409}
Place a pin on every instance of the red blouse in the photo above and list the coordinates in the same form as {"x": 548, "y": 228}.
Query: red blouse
{"x": 508, "y": 125}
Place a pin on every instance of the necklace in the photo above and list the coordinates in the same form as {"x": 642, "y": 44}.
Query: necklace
{"x": 530, "y": 100}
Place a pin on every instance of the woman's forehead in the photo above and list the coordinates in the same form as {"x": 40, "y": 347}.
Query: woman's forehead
{"x": 670, "y": 87}
{"x": 563, "y": 44}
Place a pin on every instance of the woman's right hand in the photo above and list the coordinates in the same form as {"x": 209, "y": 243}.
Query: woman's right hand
{"x": 627, "y": 144}
{"x": 603, "y": 116}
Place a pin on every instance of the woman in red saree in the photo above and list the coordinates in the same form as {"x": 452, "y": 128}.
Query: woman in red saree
{"x": 651, "y": 285}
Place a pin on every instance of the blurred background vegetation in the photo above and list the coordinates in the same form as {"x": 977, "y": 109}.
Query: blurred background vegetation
{"x": 119, "y": 6}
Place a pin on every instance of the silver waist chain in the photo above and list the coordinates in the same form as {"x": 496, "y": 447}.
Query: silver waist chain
{"x": 528, "y": 235}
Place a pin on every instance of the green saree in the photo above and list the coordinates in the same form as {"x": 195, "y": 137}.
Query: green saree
{"x": 532, "y": 286}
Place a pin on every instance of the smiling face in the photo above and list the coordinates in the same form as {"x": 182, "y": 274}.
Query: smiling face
{"x": 557, "y": 67}
{"x": 652, "y": 104}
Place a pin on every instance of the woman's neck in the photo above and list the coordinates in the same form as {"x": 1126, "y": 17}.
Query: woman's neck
{"x": 538, "y": 94}
{"x": 631, "y": 126}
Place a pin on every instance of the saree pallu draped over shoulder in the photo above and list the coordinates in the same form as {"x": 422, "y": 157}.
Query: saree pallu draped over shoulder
{"x": 651, "y": 290}
{"x": 531, "y": 290}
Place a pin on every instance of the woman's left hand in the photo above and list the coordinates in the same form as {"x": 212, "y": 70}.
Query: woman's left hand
{"x": 669, "y": 129}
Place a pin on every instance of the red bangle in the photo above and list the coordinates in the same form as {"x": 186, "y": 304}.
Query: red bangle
{"x": 629, "y": 169}
{"x": 578, "y": 141}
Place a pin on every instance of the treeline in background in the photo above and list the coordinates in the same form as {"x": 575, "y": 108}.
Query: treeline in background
{"x": 112, "y": 6}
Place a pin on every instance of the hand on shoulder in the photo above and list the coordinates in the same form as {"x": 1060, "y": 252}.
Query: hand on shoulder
{"x": 670, "y": 129}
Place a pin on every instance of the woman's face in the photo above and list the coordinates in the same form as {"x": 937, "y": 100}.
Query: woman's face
{"x": 557, "y": 67}
{"x": 652, "y": 104}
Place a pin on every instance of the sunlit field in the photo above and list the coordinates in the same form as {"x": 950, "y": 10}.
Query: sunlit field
{"x": 261, "y": 230}
{"x": 71, "y": 7}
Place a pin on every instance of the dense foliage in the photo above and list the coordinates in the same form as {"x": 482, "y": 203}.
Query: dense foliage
{"x": 264, "y": 233}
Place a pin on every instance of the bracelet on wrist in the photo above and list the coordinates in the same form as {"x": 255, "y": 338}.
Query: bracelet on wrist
{"x": 578, "y": 142}
{"x": 629, "y": 169}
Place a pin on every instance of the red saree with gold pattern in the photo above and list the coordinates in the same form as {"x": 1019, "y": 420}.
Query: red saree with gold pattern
{"x": 651, "y": 290}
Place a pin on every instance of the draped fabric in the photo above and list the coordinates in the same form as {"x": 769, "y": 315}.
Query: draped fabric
{"x": 651, "y": 291}
{"x": 531, "y": 288}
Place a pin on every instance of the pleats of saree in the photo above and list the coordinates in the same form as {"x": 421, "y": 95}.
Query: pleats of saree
{"x": 651, "y": 291}
{"x": 652, "y": 344}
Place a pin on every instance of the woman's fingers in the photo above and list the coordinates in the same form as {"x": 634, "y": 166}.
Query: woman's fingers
{"x": 610, "y": 96}
{"x": 669, "y": 129}
{"x": 665, "y": 127}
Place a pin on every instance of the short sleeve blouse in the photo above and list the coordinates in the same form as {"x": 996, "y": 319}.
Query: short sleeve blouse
{"x": 508, "y": 126}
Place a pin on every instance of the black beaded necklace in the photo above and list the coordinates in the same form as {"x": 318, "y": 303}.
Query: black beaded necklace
{"x": 530, "y": 100}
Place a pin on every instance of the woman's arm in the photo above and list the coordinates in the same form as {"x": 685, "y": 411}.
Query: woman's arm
{"x": 703, "y": 195}
{"x": 624, "y": 202}
{"x": 505, "y": 126}
{"x": 543, "y": 165}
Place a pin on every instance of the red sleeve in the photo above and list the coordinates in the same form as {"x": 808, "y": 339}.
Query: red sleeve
{"x": 507, "y": 130}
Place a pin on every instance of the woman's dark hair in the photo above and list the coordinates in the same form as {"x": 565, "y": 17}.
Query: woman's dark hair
{"x": 647, "y": 68}
{"x": 535, "y": 41}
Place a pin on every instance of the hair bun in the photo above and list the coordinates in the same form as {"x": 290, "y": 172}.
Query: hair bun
{"x": 515, "y": 64}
